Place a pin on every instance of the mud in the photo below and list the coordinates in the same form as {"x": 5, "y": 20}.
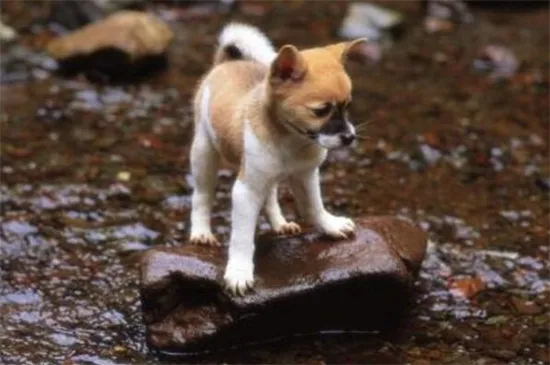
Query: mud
{"x": 93, "y": 175}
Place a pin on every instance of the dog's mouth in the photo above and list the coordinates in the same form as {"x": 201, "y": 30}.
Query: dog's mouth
{"x": 304, "y": 132}
{"x": 328, "y": 141}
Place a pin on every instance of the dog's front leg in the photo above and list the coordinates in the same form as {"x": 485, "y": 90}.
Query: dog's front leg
{"x": 247, "y": 200}
{"x": 306, "y": 187}
{"x": 275, "y": 216}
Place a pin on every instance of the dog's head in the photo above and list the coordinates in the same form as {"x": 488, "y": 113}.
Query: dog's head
{"x": 311, "y": 91}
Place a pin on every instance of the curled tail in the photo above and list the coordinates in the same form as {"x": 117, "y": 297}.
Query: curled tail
{"x": 240, "y": 41}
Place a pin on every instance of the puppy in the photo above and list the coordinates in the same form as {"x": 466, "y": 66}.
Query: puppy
{"x": 273, "y": 115}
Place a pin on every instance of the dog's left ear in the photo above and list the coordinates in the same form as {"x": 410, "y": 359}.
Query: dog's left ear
{"x": 289, "y": 65}
{"x": 348, "y": 50}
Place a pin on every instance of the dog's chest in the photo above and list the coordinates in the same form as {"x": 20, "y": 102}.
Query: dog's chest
{"x": 296, "y": 159}
{"x": 279, "y": 160}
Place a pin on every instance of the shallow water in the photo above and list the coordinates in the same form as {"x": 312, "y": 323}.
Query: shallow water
{"x": 93, "y": 175}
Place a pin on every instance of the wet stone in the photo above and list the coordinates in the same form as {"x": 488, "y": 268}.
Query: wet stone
{"x": 305, "y": 284}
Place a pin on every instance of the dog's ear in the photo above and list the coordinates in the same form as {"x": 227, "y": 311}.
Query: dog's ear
{"x": 289, "y": 65}
{"x": 348, "y": 50}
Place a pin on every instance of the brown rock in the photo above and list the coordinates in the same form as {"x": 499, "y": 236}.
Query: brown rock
{"x": 110, "y": 46}
{"x": 304, "y": 284}
{"x": 137, "y": 33}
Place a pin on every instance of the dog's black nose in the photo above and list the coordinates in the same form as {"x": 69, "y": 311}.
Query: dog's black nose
{"x": 347, "y": 138}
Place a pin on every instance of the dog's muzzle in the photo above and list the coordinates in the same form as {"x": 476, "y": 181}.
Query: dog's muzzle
{"x": 347, "y": 138}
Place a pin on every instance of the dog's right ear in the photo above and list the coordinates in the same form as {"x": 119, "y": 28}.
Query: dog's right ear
{"x": 289, "y": 65}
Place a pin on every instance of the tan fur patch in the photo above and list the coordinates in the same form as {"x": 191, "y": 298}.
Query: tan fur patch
{"x": 325, "y": 81}
{"x": 240, "y": 90}
{"x": 229, "y": 83}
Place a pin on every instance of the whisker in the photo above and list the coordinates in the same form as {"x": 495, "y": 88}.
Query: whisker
{"x": 362, "y": 136}
{"x": 362, "y": 127}
{"x": 364, "y": 124}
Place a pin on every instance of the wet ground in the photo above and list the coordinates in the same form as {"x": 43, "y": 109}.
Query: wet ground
{"x": 93, "y": 175}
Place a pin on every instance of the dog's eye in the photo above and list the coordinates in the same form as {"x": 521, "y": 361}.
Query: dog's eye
{"x": 323, "y": 110}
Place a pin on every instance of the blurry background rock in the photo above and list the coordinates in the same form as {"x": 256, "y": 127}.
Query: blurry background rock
{"x": 371, "y": 21}
{"x": 126, "y": 45}
{"x": 7, "y": 33}
{"x": 380, "y": 25}
{"x": 499, "y": 60}
{"x": 443, "y": 15}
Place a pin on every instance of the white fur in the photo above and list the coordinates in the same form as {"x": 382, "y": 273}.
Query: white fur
{"x": 252, "y": 43}
{"x": 205, "y": 116}
{"x": 333, "y": 140}
{"x": 247, "y": 200}
{"x": 204, "y": 164}
{"x": 329, "y": 140}
{"x": 273, "y": 210}
{"x": 265, "y": 165}
{"x": 307, "y": 192}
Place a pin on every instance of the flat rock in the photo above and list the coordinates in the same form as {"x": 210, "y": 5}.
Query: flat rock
{"x": 114, "y": 45}
{"x": 305, "y": 284}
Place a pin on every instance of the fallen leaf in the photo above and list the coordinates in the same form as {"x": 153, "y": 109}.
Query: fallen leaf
{"x": 432, "y": 139}
{"x": 466, "y": 287}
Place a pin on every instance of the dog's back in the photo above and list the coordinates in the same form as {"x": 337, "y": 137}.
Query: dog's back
{"x": 240, "y": 64}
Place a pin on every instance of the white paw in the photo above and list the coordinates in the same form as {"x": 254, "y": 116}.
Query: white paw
{"x": 288, "y": 228}
{"x": 207, "y": 239}
{"x": 337, "y": 227}
{"x": 237, "y": 279}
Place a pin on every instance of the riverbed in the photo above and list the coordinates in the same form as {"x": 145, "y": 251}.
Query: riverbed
{"x": 93, "y": 175}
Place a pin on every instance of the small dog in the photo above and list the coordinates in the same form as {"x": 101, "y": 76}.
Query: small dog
{"x": 272, "y": 115}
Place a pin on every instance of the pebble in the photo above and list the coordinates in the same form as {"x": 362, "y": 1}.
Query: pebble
{"x": 511, "y": 215}
{"x": 368, "y": 20}
{"x": 452, "y": 10}
{"x": 499, "y": 60}
{"x": 123, "y": 176}
{"x": 431, "y": 155}
{"x": 27, "y": 296}
{"x": 7, "y": 33}
{"x": 62, "y": 339}
{"x": 18, "y": 228}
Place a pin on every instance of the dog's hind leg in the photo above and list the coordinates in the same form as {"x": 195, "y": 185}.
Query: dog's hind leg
{"x": 275, "y": 216}
{"x": 204, "y": 165}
